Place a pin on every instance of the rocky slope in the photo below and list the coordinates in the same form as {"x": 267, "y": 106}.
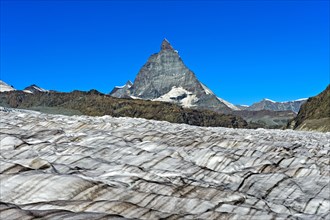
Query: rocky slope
{"x": 166, "y": 78}
{"x": 267, "y": 104}
{"x": 97, "y": 104}
{"x": 80, "y": 167}
{"x": 266, "y": 118}
{"x": 314, "y": 114}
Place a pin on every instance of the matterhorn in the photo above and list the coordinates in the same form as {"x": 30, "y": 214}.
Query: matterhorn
{"x": 164, "y": 77}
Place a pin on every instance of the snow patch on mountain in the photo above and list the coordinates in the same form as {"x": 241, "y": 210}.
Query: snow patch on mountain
{"x": 302, "y": 99}
{"x": 127, "y": 85}
{"x": 180, "y": 96}
{"x": 270, "y": 100}
{"x": 134, "y": 97}
{"x": 298, "y": 100}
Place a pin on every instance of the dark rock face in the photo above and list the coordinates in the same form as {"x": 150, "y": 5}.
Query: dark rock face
{"x": 267, "y": 104}
{"x": 165, "y": 72}
{"x": 161, "y": 73}
{"x": 166, "y": 45}
{"x": 314, "y": 114}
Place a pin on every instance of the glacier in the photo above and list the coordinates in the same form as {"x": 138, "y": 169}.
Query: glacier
{"x": 82, "y": 167}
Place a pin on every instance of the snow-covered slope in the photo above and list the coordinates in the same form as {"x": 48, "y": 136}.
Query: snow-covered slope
{"x": 4, "y": 87}
{"x": 180, "y": 96}
{"x": 60, "y": 167}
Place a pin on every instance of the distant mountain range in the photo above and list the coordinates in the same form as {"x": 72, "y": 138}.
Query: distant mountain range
{"x": 4, "y": 87}
{"x": 267, "y": 104}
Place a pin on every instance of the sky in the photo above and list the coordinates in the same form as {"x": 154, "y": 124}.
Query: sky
{"x": 243, "y": 51}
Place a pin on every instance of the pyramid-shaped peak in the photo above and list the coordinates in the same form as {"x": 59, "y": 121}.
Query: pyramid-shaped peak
{"x": 166, "y": 45}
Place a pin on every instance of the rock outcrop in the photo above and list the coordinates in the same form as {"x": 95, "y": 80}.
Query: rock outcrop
{"x": 81, "y": 167}
{"x": 314, "y": 114}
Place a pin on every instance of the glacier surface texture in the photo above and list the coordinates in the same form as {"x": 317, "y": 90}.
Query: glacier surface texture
{"x": 80, "y": 167}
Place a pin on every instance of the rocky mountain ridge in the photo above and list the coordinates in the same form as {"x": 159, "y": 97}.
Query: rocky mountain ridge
{"x": 267, "y": 104}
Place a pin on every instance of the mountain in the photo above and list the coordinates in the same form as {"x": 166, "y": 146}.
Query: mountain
{"x": 95, "y": 103}
{"x": 314, "y": 114}
{"x": 122, "y": 91}
{"x": 164, "y": 77}
{"x": 34, "y": 88}
{"x": 267, "y": 104}
{"x": 4, "y": 87}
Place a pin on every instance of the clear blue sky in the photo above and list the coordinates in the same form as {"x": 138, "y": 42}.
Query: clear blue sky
{"x": 242, "y": 50}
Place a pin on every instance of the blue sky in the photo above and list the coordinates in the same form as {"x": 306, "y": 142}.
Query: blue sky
{"x": 242, "y": 50}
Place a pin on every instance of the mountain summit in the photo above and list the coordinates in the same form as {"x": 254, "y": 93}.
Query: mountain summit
{"x": 166, "y": 45}
{"x": 34, "y": 88}
{"x": 164, "y": 77}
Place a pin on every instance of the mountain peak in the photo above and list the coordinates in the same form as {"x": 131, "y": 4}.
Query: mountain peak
{"x": 34, "y": 88}
{"x": 4, "y": 87}
{"x": 129, "y": 83}
{"x": 166, "y": 45}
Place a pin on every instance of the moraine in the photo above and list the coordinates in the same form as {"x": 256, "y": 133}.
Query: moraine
{"x": 80, "y": 167}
